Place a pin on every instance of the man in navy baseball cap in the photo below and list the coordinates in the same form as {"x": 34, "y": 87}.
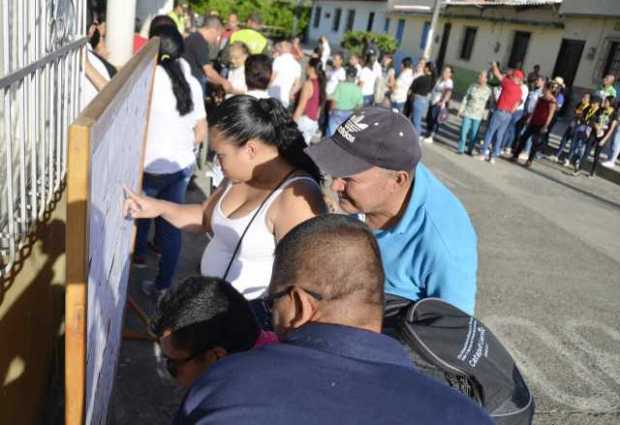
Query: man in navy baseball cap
{"x": 428, "y": 244}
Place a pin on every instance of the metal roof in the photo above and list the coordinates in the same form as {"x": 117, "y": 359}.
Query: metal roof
{"x": 501, "y": 2}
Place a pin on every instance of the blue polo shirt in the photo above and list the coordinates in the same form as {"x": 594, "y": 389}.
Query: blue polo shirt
{"x": 432, "y": 251}
{"x": 322, "y": 375}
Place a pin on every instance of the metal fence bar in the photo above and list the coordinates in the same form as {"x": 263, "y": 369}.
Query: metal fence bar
{"x": 40, "y": 87}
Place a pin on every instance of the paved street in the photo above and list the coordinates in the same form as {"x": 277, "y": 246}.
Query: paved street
{"x": 549, "y": 286}
{"x": 549, "y": 277}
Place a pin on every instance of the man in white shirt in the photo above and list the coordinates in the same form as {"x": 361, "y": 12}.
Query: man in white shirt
{"x": 286, "y": 80}
{"x": 336, "y": 75}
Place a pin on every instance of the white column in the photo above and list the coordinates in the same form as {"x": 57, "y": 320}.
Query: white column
{"x": 431, "y": 32}
{"x": 121, "y": 16}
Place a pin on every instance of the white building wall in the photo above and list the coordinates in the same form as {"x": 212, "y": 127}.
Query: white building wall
{"x": 328, "y": 8}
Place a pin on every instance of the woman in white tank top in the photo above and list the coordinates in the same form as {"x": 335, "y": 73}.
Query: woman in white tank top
{"x": 270, "y": 181}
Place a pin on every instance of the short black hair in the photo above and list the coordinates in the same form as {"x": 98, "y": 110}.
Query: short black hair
{"x": 206, "y": 312}
{"x": 258, "y": 72}
{"x": 407, "y": 62}
{"x": 211, "y": 21}
{"x": 350, "y": 72}
{"x": 335, "y": 255}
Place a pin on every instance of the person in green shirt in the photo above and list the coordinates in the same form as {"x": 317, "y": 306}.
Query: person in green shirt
{"x": 607, "y": 87}
{"x": 178, "y": 16}
{"x": 250, "y": 36}
{"x": 346, "y": 98}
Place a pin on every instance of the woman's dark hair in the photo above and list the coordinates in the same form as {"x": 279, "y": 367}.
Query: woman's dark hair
{"x": 432, "y": 72}
{"x": 159, "y": 22}
{"x": 242, "y": 118}
{"x": 170, "y": 51}
{"x": 407, "y": 62}
{"x": 315, "y": 63}
{"x": 258, "y": 72}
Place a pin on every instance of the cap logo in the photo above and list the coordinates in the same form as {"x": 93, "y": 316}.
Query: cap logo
{"x": 352, "y": 126}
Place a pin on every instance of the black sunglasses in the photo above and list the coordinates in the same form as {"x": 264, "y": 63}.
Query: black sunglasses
{"x": 270, "y": 299}
{"x": 173, "y": 365}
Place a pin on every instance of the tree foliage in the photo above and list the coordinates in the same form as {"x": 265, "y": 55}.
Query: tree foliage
{"x": 355, "y": 41}
{"x": 279, "y": 14}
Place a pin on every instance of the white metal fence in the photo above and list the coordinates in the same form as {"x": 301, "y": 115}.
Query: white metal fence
{"x": 40, "y": 80}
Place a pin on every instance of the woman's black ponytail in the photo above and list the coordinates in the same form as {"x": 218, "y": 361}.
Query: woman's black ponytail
{"x": 170, "y": 51}
{"x": 318, "y": 68}
{"x": 242, "y": 118}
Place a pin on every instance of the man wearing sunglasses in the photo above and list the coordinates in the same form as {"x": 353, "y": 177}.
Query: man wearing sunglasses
{"x": 199, "y": 322}
{"x": 333, "y": 365}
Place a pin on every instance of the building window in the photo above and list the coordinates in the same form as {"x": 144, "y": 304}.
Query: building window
{"x": 350, "y": 20}
{"x": 386, "y": 25}
{"x": 336, "y": 21}
{"x": 519, "y": 49}
{"x": 317, "y": 17}
{"x": 371, "y": 20}
{"x": 613, "y": 60}
{"x": 468, "y": 42}
{"x": 425, "y": 29}
{"x": 400, "y": 31}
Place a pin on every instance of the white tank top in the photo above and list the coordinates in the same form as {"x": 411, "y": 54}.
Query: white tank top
{"x": 250, "y": 271}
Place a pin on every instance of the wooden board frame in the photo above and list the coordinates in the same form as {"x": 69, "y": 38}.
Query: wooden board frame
{"x": 77, "y": 233}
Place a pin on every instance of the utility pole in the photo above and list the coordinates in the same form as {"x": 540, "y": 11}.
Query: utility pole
{"x": 120, "y": 23}
{"x": 431, "y": 32}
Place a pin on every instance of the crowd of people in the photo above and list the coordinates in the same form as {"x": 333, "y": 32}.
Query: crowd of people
{"x": 292, "y": 291}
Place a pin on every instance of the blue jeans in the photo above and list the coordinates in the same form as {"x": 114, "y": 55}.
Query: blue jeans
{"x": 172, "y": 188}
{"x": 399, "y": 106}
{"x": 419, "y": 108}
{"x": 577, "y": 150}
{"x": 569, "y": 134}
{"x": 469, "y": 131}
{"x": 511, "y": 131}
{"x": 497, "y": 129}
{"x": 336, "y": 117}
{"x": 369, "y": 100}
{"x": 613, "y": 147}
{"x": 432, "y": 123}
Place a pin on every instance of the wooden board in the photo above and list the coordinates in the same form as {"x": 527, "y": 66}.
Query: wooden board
{"x": 106, "y": 151}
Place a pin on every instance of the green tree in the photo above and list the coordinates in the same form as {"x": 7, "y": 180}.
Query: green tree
{"x": 355, "y": 41}
{"x": 278, "y": 16}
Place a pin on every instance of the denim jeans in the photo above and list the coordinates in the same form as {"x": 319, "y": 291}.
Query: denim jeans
{"x": 577, "y": 150}
{"x": 419, "y": 108}
{"x": 336, "y": 118}
{"x": 592, "y": 142}
{"x": 369, "y": 100}
{"x": 512, "y": 131}
{"x": 532, "y": 132}
{"x": 569, "y": 134}
{"x": 399, "y": 106}
{"x": 432, "y": 123}
{"x": 613, "y": 146}
{"x": 497, "y": 129}
{"x": 469, "y": 131}
{"x": 172, "y": 188}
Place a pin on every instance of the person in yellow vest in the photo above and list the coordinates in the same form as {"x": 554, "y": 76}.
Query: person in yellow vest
{"x": 250, "y": 36}
{"x": 178, "y": 16}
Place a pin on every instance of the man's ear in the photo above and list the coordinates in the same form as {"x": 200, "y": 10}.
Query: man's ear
{"x": 214, "y": 354}
{"x": 305, "y": 307}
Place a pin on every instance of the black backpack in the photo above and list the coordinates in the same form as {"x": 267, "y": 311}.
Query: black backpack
{"x": 459, "y": 350}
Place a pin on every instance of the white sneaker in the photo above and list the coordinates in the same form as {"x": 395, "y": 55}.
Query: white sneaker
{"x": 608, "y": 164}
{"x": 524, "y": 156}
{"x": 553, "y": 158}
{"x": 566, "y": 163}
{"x": 492, "y": 161}
{"x": 428, "y": 140}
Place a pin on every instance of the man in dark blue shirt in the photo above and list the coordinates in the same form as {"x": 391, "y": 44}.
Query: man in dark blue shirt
{"x": 333, "y": 366}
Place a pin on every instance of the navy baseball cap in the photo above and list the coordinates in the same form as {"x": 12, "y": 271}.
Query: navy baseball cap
{"x": 370, "y": 137}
